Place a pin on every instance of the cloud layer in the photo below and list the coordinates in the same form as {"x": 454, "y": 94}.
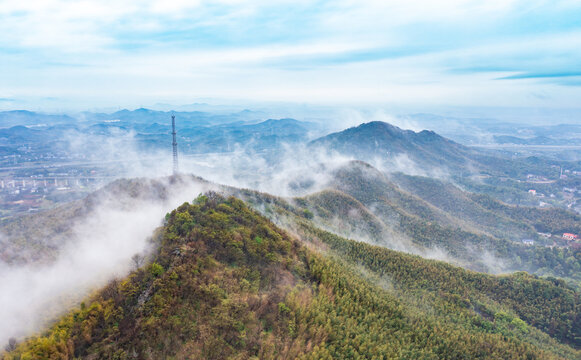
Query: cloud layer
{"x": 459, "y": 52}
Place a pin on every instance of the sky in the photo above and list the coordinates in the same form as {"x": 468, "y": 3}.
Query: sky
{"x": 60, "y": 54}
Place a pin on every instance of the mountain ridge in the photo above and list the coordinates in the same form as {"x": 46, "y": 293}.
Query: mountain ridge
{"x": 226, "y": 283}
{"x": 380, "y": 140}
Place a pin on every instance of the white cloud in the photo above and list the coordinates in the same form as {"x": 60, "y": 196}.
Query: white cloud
{"x": 121, "y": 52}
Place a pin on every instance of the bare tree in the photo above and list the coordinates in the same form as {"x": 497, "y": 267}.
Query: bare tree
{"x": 11, "y": 345}
{"x": 137, "y": 260}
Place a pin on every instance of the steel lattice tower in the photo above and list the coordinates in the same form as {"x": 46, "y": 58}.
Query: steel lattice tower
{"x": 174, "y": 145}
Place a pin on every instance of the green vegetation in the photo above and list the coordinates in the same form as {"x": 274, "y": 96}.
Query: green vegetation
{"x": 552, "y": 220}
{"x": 227, "y": 283}
{"x": 546, "y": 304}
{"x": 435, "y": 214}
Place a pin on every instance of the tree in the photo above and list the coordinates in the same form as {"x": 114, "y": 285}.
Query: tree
{"x": 11, "y": 345}
{"x": 137, "y": 260}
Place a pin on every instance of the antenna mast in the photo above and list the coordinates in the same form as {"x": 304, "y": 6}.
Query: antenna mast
{"x": 174, "y": 145}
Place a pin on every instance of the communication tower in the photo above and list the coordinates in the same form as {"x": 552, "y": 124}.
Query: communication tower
{"x": 174, "y": 145}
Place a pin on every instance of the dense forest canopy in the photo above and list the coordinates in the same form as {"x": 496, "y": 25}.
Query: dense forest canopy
{"x": 226, "y": 282}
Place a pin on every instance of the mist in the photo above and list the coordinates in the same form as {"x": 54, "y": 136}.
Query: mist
{"x": 101, "y": 248}
{"x": 121, "y": 224}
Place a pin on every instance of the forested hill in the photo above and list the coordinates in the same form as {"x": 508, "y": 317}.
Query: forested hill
{"x": 425, "y": 150}
{"x": 379, "y": 139}
{"x": 226, "y": 283}
{"x": 427, "y": 216}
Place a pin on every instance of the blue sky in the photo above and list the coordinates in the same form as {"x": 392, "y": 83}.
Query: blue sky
{"x": 57, "y": 54}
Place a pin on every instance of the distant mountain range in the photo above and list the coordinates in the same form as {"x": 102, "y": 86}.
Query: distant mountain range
{"x": 198, "y": 132}
{"x": 29, "y": 118}
{"x": 537, "y": 140}
{"x": 424, "y": 152}
{"x": 185, "y": 118}
{"x": 388, "y": 146}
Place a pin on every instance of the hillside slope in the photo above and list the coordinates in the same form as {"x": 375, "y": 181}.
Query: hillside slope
{"x": 227, "y": 283}
{"x": 382, "y": 140}
{"x": 427, "y": 152}
{"x": 427, "y": 216}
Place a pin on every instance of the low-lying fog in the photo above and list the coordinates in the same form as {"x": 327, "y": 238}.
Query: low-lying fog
{"x": 102, "y": 245}
{"x": 106, "y": 239}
